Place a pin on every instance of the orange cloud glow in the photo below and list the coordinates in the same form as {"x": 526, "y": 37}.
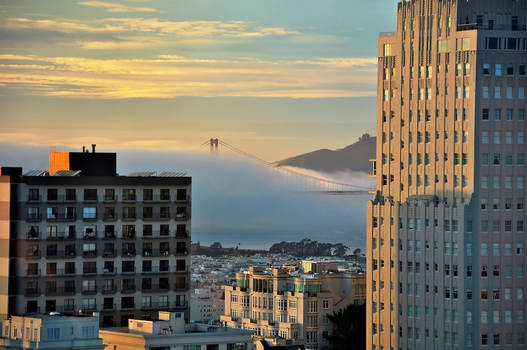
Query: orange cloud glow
{"x": 170, "y": 76}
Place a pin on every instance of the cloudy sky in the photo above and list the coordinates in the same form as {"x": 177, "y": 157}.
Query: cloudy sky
{"x": 274, "y": 77}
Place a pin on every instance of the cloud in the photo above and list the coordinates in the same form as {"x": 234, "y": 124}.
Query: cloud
{"x": 114, "y": 7}
{"x": 153, "y": 27}
{"x": 170, "y": 76}
{"x": 234, "y": 200}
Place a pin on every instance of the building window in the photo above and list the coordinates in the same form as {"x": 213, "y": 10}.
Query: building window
{"x": 89, "y": 213}
{"x": 128, "y": 194}
{"x": 90, "y": 194}
{"x": 109, "y": 194}
{"x": 53, "y": 333}
{"x": 497, "y": 92}
{"x": 484, "y": 137}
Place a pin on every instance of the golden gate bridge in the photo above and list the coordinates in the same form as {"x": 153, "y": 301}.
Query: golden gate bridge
{"x": 306, "y": 181}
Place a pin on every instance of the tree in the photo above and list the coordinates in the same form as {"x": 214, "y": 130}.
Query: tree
{"x": 349, "y": 328}
{"x": 216, "y": 245}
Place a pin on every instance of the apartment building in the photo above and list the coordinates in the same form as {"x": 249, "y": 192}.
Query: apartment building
{"x": 169, "y": 332}
{"x": 82, "y": 237}
{"x": 206, "y": 305}
{"x": 73, "y": 332}
{"x": 283, "y": 304}
{"x": 446, "y": 226}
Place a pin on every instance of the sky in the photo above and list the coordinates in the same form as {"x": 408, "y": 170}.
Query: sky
{"x": 275, "y": 77}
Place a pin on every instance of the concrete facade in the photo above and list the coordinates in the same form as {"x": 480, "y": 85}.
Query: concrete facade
{"x": 170, "y": 332}
{"x": 51, "y": 332}
{"x": 445, "y": 231}
{"x": 280, "y": 304}
{"x": 118, "y": 245}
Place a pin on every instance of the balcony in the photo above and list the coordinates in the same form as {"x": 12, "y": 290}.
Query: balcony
{"x": 34, "y": 198}
{"x": 90, "y": 218}
{"x": 62, "y": 199}
{"x": 33, "y": 218}
{"x": 32, "y": 236}
{"x": 108, "y": 253}
{"x": 52, "y": 291}
{"x": 89, "y": 272}
{"x": 109, "y": 199}
{"x": 110, "y": 217}
{"x": 109, "y": 235}
{"x": 108, "y": 271}
{"x": 90, "y": 199}
{"x": 60, "y": 254}
{"x": 154, "y": 306}
{"x": 33, "y": 254}
{"x": 51, "y": 272}
{"x": 156, "y": 252}
{"x": 156, "y": 235}
{"x": 155, "y": 288}
{"x": 128, "y": 272}
{"x": 129, "y": 235}
{"x": 109, "y": 307}
{"x": 90, "y": 308}
{"x": 70, "y": 254}
{"x": 128, "y": 199}
{"x": 33, "y": 273}
{"x": 89, "y": 254}
{"x": 156, "y": 270}
{"x": 32, "y": 310}
{"x": 181, "y": 252}
{"x": 180, "y": 305}
{"x": 182, "y": 234}
{"x": 182, "y": 217}
{"x": 108, "y": 290}
{"x": 61, "y": 236}
{"x": 181, "y": 287}
{"x": 128, "y": 306}
{"x": 87, "y": 236}
{"x": 66, "y": 272}
{"x": 90, "y": 291}
{"x": 32, "y": 292}
{"x": 128, "y": 290}
{"x": 128, "y": 252}
{"x": 156, "y": 199}
{"x": 182, "y": 199}
{"x": 61, "y": 218}
{"x": 68, "y": 291}
{"x": 156, "y": 217}
{"x": 53, "y": 254}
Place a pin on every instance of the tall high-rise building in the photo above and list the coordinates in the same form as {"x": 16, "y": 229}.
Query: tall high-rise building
{"x": 81, "y": 237}
{"x": 446, "y": 227}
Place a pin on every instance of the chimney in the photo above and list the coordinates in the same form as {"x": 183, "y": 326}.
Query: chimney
{"x": 93, "y": 147}
{"x": 83, "y": 149}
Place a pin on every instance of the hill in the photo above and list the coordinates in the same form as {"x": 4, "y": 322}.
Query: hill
{"x": 353, "y": 157}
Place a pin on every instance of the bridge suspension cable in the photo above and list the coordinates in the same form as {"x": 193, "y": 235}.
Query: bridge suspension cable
{"x": 349, "y": 187}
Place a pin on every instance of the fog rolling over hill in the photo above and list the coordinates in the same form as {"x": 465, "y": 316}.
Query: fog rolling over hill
{"x": 235, "y": 201}
{"x": 351, "y": 158}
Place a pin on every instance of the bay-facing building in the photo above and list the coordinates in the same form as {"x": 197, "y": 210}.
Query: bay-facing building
{"x": 81, "y": 237}
{"x": 446, "y": 226}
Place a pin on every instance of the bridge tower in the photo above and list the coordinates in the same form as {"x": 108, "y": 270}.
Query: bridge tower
{"x": 213, "y": 145}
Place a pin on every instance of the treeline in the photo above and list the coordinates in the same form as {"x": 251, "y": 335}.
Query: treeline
{"x": 307, "y": 247}
{"x": 304, "y": 248}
